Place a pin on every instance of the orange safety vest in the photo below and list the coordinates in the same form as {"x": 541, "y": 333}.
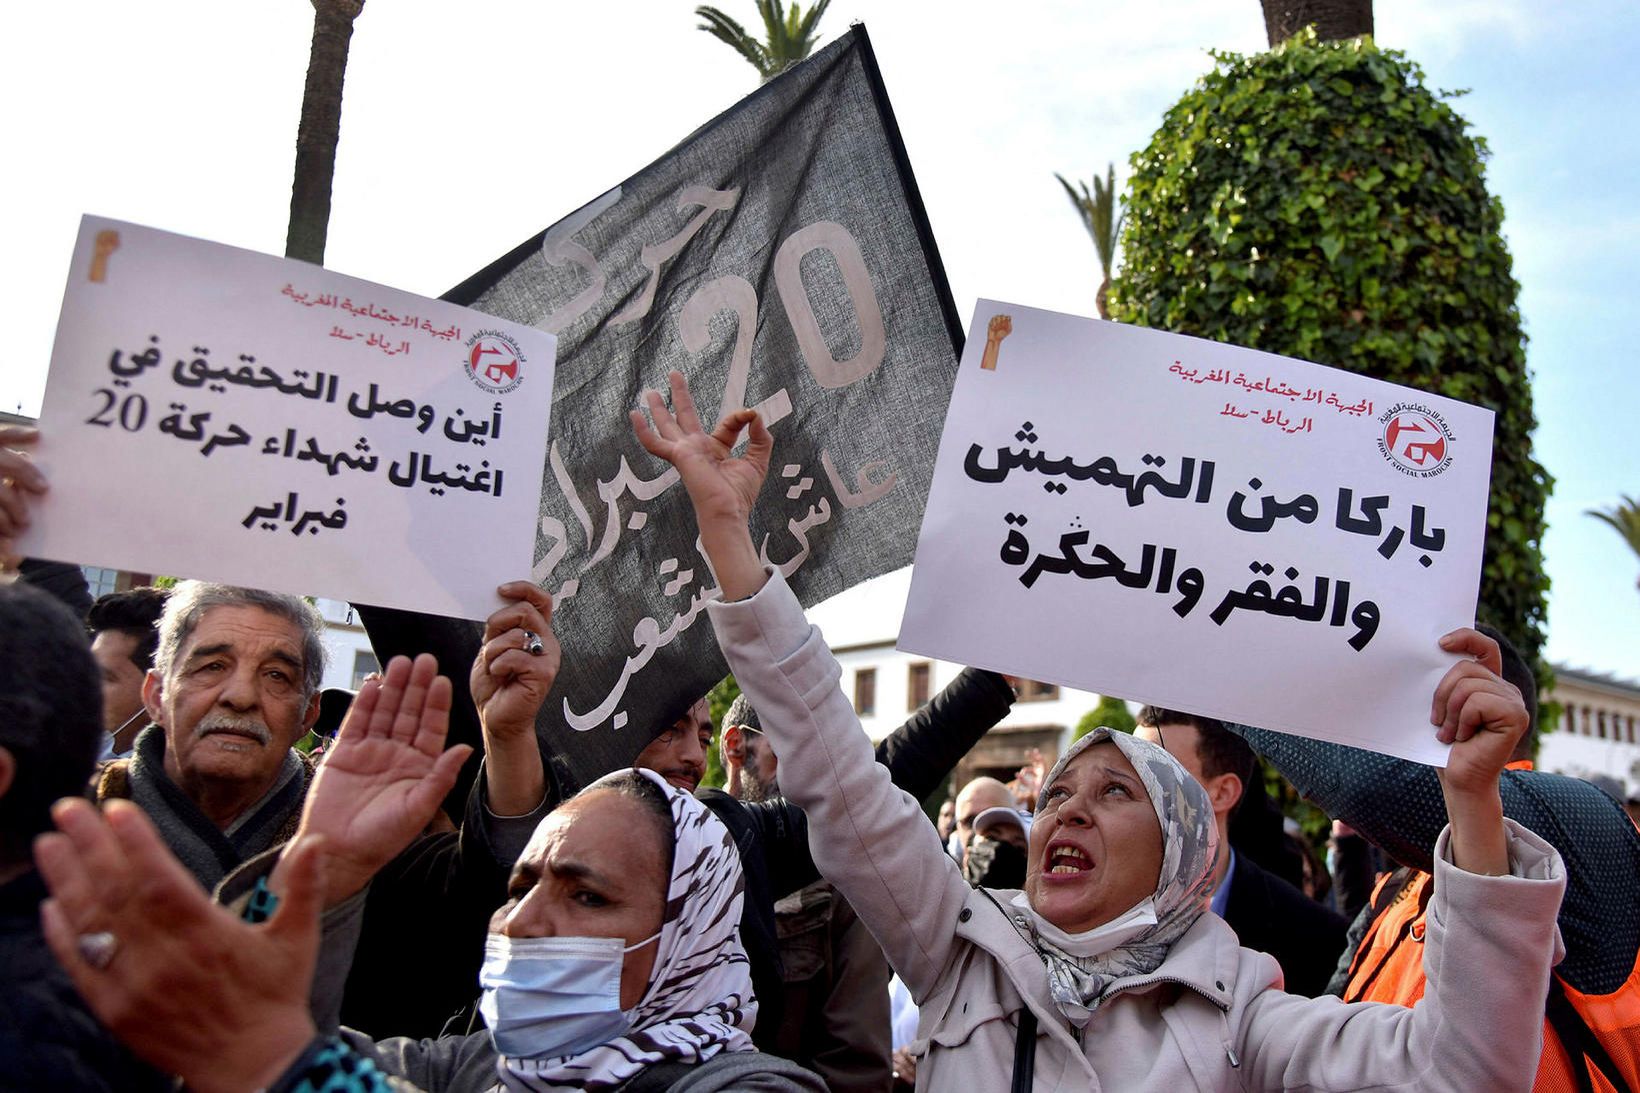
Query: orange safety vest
{"x": 1389, "y": 967}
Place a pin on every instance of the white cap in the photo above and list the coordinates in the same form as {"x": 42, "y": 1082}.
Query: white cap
{"x": 1002, "y": 814}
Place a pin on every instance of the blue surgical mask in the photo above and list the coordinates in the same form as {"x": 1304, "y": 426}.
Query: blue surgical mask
{"x": 550, "y": 996}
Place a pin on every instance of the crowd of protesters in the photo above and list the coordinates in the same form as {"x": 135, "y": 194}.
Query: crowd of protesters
{"x": 186, "y": 895}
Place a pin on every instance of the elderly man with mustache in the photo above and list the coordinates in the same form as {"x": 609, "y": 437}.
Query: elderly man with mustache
{"x": 233, "y": 688}
{"x": 235, "y": 684}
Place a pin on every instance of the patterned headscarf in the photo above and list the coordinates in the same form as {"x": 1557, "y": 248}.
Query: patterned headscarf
{"x": 1190, "y": 840}
{"x": 699, "y": 1002}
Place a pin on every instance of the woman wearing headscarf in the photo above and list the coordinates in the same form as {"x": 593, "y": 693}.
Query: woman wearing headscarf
{"x": 615, "y": 964}
{"x": 1106, "y": 971}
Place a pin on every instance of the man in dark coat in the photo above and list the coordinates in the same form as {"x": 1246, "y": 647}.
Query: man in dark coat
{"x": 1267, "y": 913}
{"x": 50, "y": 733}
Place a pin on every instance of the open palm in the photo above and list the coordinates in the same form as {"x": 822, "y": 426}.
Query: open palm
{"x": 381, "y": 782}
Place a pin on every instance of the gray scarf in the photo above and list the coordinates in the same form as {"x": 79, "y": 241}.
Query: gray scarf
{"x": 1082, "y": 966}
{"x": 210, "y": 854}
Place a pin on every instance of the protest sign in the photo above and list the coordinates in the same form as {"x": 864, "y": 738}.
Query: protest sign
{"x": 1202, "y": 527}
{"x": 780, "y": 258}
{"x": 217, "y": 413}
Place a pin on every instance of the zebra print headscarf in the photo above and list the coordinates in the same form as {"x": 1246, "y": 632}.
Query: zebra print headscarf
{"x": 699, "y": 1002}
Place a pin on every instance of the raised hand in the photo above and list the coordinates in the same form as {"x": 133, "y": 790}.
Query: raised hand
{"x": 1478, "y": 711}
{"x": 509, "y": 681}
{"x": 722, "y": 487}
{"x": 185, "y": 983}
{"x": 1028, "y": 779}
{"x": 385, "y": 775}
{"x": 20, "y": 482}
{"x": 1483, "y": 717}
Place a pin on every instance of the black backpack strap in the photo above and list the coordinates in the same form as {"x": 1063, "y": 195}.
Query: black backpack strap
{"x": 1025, "y": 1036}
{"x": 1025, "y": 1052}
{"x": 1580, "y": 1042}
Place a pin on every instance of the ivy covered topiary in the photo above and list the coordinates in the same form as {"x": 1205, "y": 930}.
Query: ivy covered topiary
{"x": 1320, "y": 202}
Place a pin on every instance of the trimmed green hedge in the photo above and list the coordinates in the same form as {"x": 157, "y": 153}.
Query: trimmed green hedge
{"x": 1320, "y": 202}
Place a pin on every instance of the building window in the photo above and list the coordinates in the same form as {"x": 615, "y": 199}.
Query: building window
{"x": 1030, "y": 690}
{"x": 1600, "y": 724}
{"x": 102, "y": 581}
{"x": 865, "y": 692}
{"x": 916, "y": 685}
{"x": 364, "y": 662}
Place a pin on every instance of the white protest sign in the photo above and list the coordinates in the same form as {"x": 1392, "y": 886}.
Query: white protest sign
{"x": 213, "y": 412}
{"x": 1202, "y": 527}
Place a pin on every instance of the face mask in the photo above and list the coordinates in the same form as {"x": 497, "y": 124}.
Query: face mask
{"x": 551, "y": 996}
{"x": 108, "y": 737}
{"x": 1101, "y": 939}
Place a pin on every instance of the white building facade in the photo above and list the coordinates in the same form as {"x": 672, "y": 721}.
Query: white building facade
{"x": 1598, "y": 732}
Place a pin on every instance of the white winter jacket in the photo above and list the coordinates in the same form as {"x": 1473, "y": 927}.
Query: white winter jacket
{"x": 1212, "y": 1016}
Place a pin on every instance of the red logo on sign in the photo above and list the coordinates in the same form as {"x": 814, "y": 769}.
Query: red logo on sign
{"x": 494, "y": 361}
{"x": 1416, "y": 439}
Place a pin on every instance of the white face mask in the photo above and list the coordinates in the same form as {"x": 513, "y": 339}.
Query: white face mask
{"x": 109, "y": 737}
{"x": 1103, "y": 938}
{"x": 550, "y": 996}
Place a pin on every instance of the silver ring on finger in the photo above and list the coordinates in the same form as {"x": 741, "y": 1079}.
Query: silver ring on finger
{"x": 532, "y": 643}
{"x": 97, "y": 949}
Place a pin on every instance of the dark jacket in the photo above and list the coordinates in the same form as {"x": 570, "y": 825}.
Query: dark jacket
{"x": 1272, "y": 916}
{"x": 443, "y": 886}
{"x": 48, "y": 1039}
{"x": 836, "y": 1013}
{"x": 1399, "y": 807}
{"x": 773, "y": 836}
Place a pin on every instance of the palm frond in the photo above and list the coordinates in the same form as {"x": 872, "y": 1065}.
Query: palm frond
{"x": 788, "y": 36}
{"x": 1104, "y": 224}
{"x": 806, "y": 28}
{"x": 774, "y": 19}
{"x": 728, "y": 31}
{"x": 1624, "y": 518}
{"x": 1097, "y": 207}
{"x": 1079, "y": 199}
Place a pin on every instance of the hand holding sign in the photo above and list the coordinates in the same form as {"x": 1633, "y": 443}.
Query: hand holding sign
{"x": 510, "y": 679}
{"x": 1484, "y": 717}
{"x": 20, "y": 483}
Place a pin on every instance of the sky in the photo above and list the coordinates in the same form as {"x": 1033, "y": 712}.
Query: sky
{"x": 468, "y": 127}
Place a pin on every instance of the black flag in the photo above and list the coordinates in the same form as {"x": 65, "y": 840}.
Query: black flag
{"x": 781, "y": 259}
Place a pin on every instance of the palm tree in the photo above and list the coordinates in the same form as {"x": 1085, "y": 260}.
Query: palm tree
{"x": 1097, "y": 208}
{"x": 1333, "y": 20}
{"x": 789, "y": 36}
{"x": 318, "y": 129}
{"x": 1625, "y": 518}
